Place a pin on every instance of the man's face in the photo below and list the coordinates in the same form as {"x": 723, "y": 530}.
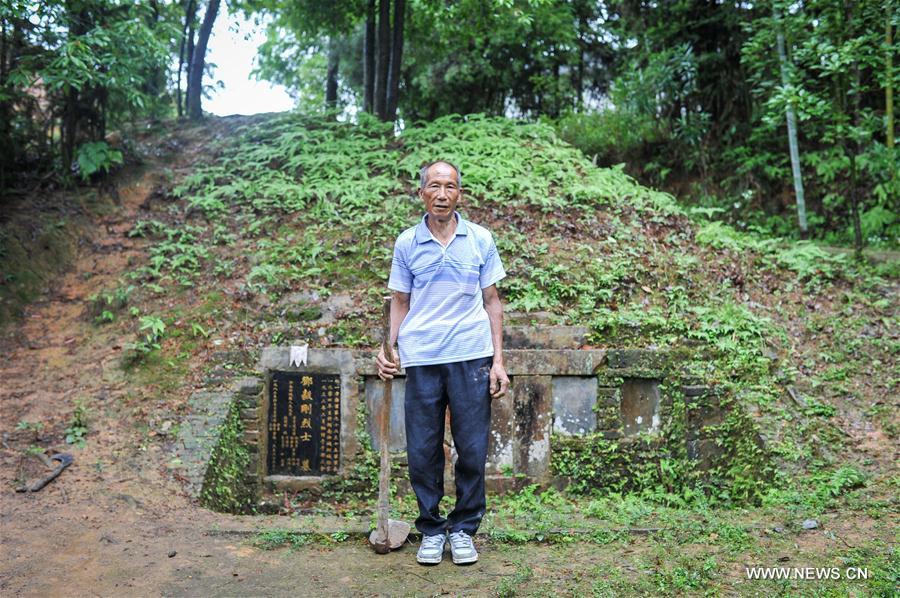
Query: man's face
{"x": 441, "y": 192}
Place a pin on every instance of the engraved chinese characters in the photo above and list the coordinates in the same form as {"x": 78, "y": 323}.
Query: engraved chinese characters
{"x": 304, "y": 424}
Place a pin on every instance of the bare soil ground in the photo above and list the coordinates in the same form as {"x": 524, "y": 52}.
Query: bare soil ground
{"x": 118, "y": 523}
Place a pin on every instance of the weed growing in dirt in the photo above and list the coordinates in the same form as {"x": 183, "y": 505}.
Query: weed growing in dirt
{"x": 153, "y": 329}
{"x": 33, "y": 427}
{"x": 77, "y": 430}
{"x": 274, "y": 539}
{"x": 106, "y": 304}
{"x": 511, "y": 584}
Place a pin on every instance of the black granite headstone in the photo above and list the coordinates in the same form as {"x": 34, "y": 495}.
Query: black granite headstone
{"x": 304, "y": 424}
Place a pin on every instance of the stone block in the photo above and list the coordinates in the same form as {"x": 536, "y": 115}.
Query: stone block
{"x": 501, "y": 484}
{"x": 649, "y": 361}
{"x": 374, "y": 401}
{"x": 609, "y": 418}
{"x": 251, "y": 436}
{"x": 249, "y": 386}
{"x": 532, "y": 408}
{"x": 640, "y": 406}
{"x": 695, "y": 390}
{"x": 574, "y": 399}
{"x": 608, "y": 396}
{"x": 544, "y": 337}
{"x": 323, "y": 361}
{"x": 703, "y": 411}
{"x": 250, "y": 414}
{"x": 518, "y": 362}
{"x": 282, "y": 483}
{"x": 552, "y": 362}
{"x": 705, "y": 452}
{"x": 501, "y": 442}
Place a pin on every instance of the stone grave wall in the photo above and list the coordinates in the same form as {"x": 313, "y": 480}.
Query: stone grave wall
{"x": 557, "y": 390}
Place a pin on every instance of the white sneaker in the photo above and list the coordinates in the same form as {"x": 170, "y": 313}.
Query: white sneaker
{"x": 431, "y": 551}
{"x": 462, "y": 548}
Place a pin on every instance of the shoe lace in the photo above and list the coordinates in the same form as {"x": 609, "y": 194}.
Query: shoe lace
{"x": 460, "y": 540}
{"x": 432, "y": 541}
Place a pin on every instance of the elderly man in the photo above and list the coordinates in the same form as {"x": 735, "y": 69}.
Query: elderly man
{"x": 447, "y": 319}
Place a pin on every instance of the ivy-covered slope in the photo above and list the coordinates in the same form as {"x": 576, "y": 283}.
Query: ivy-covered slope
{"x": 294, "y": 207}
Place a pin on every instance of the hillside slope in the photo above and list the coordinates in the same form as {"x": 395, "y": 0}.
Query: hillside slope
{"x": 298, "y": 209}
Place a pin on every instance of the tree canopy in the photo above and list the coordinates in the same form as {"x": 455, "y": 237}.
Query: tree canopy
{"x": 691, "y": 95}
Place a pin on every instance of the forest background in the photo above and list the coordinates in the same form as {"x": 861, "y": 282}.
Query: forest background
{"x": 692, "y": 97}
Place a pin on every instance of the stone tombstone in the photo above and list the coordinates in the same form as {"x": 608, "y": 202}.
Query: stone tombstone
{"x": 303, "y": 424}
{"x": 307, "y": 417}
{"x": 574, "y": 405}
{"x": 531, "y": 400}
{"x": 640, "y": 406}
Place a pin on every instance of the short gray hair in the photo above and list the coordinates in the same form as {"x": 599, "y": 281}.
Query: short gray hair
{"x": 423, "y": 172}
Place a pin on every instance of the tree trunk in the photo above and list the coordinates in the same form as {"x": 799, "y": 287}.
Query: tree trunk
{"x": 190, "y": 59}
{"x": 579, "y": 71}
{"x": 792, "y": 133}
{"x": 188, "y": 21}
{"x": 8, "y": 158}
{"x": 69, "y": 130}
{"x": 369, "y": 60}
{"x": 393, "y": 97}
{"x": 198, "y": 61}
{"x": 854, "y": 179}
{"x": 889, "y": 68}
{"x": 78, "y": 24}
{"x": 7, "y": 59}
{"x": 382, "y": 58}
{"x": 3, "y": 53}
{"x": 331, "y": 82}
{"x": 156, "y": 81}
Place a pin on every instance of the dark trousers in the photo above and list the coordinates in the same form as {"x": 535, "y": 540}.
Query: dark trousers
{"x": 430, "y": 389}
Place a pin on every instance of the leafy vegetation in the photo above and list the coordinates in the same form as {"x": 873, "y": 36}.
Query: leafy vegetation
{"x": 95, "y": 157}
{"x": 224, "y": 488}
{"x": 77, "y": 429}
{"x": 152, "y": 328}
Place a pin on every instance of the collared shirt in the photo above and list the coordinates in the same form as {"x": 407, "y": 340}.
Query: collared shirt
{"x": 447, "y": 321}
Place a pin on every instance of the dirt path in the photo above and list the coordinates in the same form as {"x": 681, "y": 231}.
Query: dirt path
{"x": 109, "y": 521}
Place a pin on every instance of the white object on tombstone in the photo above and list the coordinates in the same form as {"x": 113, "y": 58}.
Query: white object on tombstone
{"x": 298, "y": 354}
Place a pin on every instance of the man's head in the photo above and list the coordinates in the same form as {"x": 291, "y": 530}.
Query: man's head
{"x": 440, "y": 189}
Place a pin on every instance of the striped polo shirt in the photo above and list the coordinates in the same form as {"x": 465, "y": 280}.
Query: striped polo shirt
{"x": 446, "y": 321}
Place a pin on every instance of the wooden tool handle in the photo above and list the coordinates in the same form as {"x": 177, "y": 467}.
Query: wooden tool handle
{"x": 384, "y": 426}
{"x": 386, "y": 329}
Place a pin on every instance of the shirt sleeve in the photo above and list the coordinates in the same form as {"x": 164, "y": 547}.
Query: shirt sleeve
{"x": 492, "y": 270}
{"x": 401, "y": 277}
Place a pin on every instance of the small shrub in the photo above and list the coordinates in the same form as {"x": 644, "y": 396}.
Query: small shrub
{"x": 97, "y": 156}
{"x": 78, "y": 426}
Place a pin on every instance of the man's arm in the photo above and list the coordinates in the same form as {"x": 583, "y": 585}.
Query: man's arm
{"x": 399, "y": 310}
{"x": 494, "y": 309}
